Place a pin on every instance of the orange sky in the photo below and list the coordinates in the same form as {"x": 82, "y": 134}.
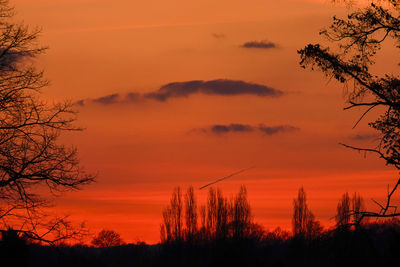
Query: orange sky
{"x": 142, "y": 148}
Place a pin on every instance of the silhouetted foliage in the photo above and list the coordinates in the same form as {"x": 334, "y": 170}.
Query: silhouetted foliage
{"x": 107, "y": 238}
{"x": 373, "y": 244}
{"x": 277, "y": 234}
{"x": 13, "y": 248}
{"x": 359, "y": 37}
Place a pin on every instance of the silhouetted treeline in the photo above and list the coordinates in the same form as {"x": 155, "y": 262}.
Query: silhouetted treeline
{"x": 373, "y": 244}
{"x": 222, "y": 233}
{"x": 220, "y": 218}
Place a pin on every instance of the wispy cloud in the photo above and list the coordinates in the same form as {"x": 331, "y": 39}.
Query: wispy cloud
{"x": 107, "y": 100}
{"x": 364, "y": 137}
{"x": 220, "y": 87}
{"x": 222, "y": 129}
{"x": 271, "y": 130}
{"x": 234, "y": 127}
{"x": 219, "y": 35}
{"x": 259, "y": 45}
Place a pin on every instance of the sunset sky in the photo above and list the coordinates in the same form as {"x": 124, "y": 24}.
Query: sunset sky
{"x": 178, "y": 93}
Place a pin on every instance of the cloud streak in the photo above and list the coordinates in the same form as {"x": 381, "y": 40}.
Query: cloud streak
{"x": 364, "y": 137}
{"x": 219, "y": 35}
{"x": 271, "y": 130}
{"x": 223, "y": 129}
{"x": 107, "y": 100}
{"x": 220, "y": 87}
{"x": 259, "y": 45}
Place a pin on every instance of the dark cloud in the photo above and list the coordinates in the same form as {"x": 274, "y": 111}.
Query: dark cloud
{"x": 133, "y": 97}
{"x": 219, "y": 35}
{"x": 219, "y": 87}
{"x": 80, "y": 102}
{"x": 220, "y": 129}
{"x": 108, "y": 99}
{"x": 364, "y": 137}
{"x": 214, "y": 87}
{"x": 271, "y": 130}
{"x": 259, "y": 45}
{"x": 112, "y": 99}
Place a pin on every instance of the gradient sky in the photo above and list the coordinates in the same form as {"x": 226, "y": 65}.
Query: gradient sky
{"x": 149, "y": 128}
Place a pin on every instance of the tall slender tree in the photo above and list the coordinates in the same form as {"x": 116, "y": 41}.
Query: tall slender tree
{"x": 241, "y": 215}
{"x": 222, "y": 222}
{"x": 343, "y": 212}
{"x": 211, "y": 211}
{"x": 166, "y": 227}
{"x": 190, "y": 214}
{"x": 358, "y": 207}
{"x": 176, "y": 206}
{"x": 303, "y": 222}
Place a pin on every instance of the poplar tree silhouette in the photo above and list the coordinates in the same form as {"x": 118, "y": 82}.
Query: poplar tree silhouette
{"x": 190, "y": 214}
{"x": 303, "y": 222}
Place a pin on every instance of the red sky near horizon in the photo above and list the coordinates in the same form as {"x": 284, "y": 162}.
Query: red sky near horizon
{"x": 176, "y": 93}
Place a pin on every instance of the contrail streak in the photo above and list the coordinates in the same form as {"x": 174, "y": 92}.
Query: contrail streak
{"x": 226, "y": 177}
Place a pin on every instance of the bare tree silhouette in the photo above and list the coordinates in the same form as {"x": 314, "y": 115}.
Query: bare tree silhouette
{"x": 107, "y": 238}
{"x": 359, "y": 37}
{"x": 349, "y": 211}
{"x": 166, "y": 227}
{"x": 203, "y": 221}
{"x": 241, "y": 215}
{"x": 176, "y": 212}
{"x": 220, "y": 219}
{"x": 358, "y": 207}
{"x": 30, "y": 155}
{"x": 172, "y": 226}
{"x": 190, "y": 214}
{"x": 343, "y": 212}
{"x": 303, "y": 221}
{"x": 211, "y": 212}
{"x": 222, "y": 222}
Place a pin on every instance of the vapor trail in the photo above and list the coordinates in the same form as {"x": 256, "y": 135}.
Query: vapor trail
{"x": 226, "y": 177}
